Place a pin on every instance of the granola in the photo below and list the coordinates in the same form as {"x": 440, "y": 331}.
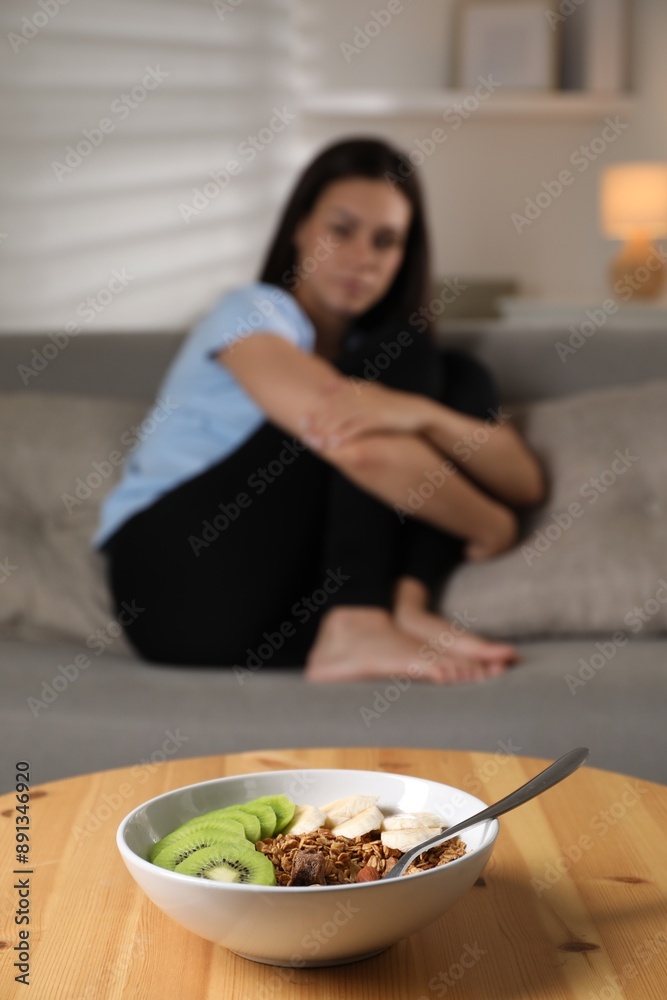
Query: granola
{"x": 342, "y": 858}
{"x": 437, "y": 856}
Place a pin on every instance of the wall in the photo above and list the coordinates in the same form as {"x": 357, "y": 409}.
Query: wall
{"x": 62, "y": 238}
{"x": 488, "y": 168}
{"x": 120, "y": 123}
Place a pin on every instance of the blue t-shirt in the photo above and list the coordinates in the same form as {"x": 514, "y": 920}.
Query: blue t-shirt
{"x": 202, "y": 413}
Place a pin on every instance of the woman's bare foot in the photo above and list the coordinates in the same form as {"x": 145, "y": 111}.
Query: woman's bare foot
{"x": 413, "y": 617}
{"x": 362, "y": 643}
{"x": 450, "y": 637}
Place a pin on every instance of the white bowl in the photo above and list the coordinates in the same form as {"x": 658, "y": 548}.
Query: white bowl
{"x": 313, "y": 925}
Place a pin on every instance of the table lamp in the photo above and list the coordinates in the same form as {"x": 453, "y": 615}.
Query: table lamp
{"x": 634, "y": 209}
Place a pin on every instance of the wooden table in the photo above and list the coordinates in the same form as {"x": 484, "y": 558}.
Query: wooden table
{"x": 573, "y": 903}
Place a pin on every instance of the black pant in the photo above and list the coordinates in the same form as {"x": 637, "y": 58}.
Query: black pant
{"x": 236, "y": 565}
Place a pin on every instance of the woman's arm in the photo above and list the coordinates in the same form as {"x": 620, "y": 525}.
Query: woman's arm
{"x": 490, "y": 452}
{"x": 288, "y": 383}
{"x": 283, "y": 380}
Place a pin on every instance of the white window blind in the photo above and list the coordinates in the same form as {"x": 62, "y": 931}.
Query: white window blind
{"x": 147, "y": 145}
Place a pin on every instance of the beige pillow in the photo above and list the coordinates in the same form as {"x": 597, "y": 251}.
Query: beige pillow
{"x": 58, "y": 589}
{"x": 593, "y": 557}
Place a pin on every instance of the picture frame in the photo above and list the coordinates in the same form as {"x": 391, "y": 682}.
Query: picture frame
{"x": 514, "y": 41}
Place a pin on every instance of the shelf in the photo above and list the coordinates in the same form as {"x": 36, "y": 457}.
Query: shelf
{"x": 510, "y": 104}
{"x": 551, "y": 315}
{"x": 520, "y": 311}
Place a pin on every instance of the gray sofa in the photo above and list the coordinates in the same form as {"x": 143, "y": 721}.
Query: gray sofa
{"x": 582, "y": 600}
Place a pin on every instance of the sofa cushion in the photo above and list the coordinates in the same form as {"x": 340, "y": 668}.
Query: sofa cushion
{"x": 55, "y": 453}
{"x": 118, "y": 712}
{"x": 597, "y": 566}
{"x": 593, "y": 557}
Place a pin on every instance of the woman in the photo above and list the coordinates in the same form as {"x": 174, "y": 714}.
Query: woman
{"x": 308, "y": 486}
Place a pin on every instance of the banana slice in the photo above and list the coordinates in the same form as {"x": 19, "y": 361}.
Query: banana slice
{"x": 343, "y": 809}
{"x": 411, "y": 821}
{"x": 306, "y": 819}
{"x": 403, "y": 840}
{"x": 362, "y": 822}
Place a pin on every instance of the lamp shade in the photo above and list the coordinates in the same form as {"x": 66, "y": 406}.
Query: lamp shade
{"x": 634, "y": 200}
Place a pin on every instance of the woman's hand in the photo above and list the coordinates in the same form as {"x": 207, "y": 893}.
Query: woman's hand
{"x": 352, "y": 407}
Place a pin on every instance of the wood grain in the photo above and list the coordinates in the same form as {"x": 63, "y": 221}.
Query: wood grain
{"x": 556, "y": 916}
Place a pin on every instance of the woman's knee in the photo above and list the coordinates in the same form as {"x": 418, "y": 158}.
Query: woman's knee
{"x": 469, "y": 386}
{"x": 400, "y": 359}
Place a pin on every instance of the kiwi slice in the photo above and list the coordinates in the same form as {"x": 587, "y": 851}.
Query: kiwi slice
{"x": 282, "y": 806}
{"x": 190, "y": 841}
{"x": 229, "y": 861}
{"x": 265, "y": 815}
{"x": 250, "y": 823}
{"x": 198, "y": 828}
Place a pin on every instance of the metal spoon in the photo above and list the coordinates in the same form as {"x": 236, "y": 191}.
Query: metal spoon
{"x": 551, "y": 775}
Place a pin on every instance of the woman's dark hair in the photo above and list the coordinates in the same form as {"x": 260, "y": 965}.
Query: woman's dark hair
{"x": 360, "y": 157}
